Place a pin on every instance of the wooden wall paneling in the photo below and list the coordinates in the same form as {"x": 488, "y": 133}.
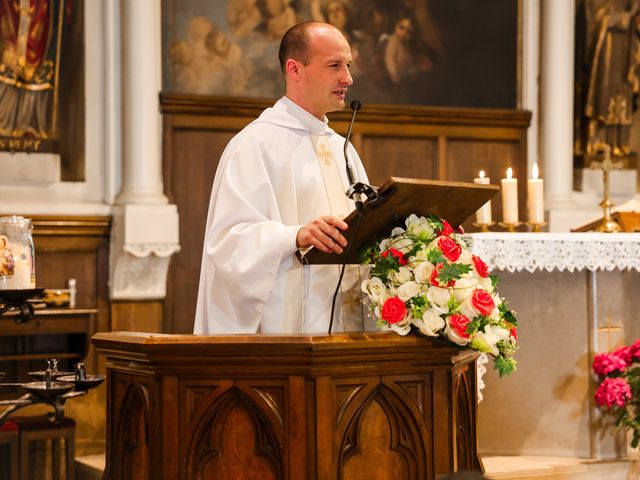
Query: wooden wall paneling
{"x": 194, "y": 145}
{"x": 384, "y": 157}
{"x": 467, "y": 156}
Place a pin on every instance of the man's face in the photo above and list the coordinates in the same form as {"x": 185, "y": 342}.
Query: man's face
{"x": 324, "y": 80}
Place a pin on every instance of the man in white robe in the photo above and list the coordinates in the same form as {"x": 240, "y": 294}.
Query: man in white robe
{"x": 279, "y": 188}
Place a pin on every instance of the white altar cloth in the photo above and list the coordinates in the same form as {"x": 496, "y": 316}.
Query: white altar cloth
{"x": 515, "y": 252}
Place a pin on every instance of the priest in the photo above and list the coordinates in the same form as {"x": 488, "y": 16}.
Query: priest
{"x": 279, "y": 188}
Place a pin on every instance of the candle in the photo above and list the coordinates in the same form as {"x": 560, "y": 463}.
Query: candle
{"x": 535, "y": 197}
{"x": 509, "y": 198}
{"x": 483, "y": 215}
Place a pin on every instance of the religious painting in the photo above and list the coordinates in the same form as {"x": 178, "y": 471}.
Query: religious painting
{"x": 31, "y": 35}
{"x": 423, "y": 52}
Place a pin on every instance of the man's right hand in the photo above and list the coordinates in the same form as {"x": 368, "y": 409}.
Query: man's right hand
{"x": 324, "y": 234}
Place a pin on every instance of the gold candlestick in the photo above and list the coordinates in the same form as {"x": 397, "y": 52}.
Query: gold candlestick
{"x": 511, "y": 227}
{"x": 608, "y": 224}
{"x": 535, "y": 227}
{"x": 484, "y": 227}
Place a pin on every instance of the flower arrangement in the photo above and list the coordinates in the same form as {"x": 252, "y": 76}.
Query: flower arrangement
{"x": 423, "y": 278}
{"x": 619, "y": 388}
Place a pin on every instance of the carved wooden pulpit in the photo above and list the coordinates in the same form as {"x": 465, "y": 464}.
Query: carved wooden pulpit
{"x": 325, "y": 407}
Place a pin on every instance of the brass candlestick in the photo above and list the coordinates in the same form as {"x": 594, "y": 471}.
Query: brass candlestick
{"x": 484, "y": 227}
{"x": 608, "y": 224}
{"x": 511, "y": 227}
{"x": 535, "y": 227}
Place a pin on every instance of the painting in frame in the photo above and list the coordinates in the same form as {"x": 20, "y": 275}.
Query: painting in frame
{"x": 456, "y": 53}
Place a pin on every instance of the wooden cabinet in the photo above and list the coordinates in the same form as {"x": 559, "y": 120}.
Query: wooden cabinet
{"x": 53, "y": 333}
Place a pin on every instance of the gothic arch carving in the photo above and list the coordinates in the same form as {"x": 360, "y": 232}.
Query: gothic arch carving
{"x": 207, "y": 444}
{"x": 132, "y": 434}
{"x": 405, "y": 437}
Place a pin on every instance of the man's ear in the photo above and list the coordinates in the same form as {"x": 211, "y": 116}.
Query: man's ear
{"x": 292, "y": 69}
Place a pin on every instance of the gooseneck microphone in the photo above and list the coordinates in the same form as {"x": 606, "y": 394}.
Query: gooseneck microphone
{"x": 355, "y": 106}
{"x": 354, "y": 193}
{"x": 356, "y": 188}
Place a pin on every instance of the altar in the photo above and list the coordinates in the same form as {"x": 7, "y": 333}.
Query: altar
{"x": 575, "y": 295}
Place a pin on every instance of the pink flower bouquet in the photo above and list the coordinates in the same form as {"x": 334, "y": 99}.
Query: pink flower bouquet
{"x": 619, "y": 389}
{"x": 423, "y": 278}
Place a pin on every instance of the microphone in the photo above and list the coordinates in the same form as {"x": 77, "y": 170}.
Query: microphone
{"x": 356, "y": 188}
{"x": 355, "y": 106}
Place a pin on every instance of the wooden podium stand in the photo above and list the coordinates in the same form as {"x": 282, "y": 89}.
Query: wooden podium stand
{"x": 326, "y": 407}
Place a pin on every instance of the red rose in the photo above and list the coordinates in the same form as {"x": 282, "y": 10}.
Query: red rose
{"x": 482, "y": 301}
{"x": 450, "y": 248}
{"x": 394, "y": 310}
{"x": 458, "y": 323}
{"x": 446, "y": 229}
{"x": 514, "y": 333}
{"x": 397, "y": 254}
{"x": 481, "y": 267}
{"x": 434, "y": 277}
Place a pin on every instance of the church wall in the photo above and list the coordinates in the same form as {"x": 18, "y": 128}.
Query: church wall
{"x": 546, "y": 407}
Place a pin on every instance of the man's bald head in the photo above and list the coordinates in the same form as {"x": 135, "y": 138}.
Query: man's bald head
{"x": 296, "y": 43}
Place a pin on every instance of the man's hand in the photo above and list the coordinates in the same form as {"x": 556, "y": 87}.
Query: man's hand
{"x": 324, "y": 234}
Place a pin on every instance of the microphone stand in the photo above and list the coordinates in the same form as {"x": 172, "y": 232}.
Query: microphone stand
{"x": 354, "y": 192}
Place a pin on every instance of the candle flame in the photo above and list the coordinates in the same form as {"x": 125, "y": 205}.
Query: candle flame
{"x": 481, "y": 174}
{"x": 509, "y": 172}
{"x": 534, "y": 171}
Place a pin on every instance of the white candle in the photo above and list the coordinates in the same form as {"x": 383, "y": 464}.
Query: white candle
{"x": 483, "y": 215}
{"x": 509, "y": 198}
{"x": 535, "y": 197}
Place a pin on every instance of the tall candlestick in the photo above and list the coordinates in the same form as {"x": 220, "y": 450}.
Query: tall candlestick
{"x": 483, "y": 215}
{"x": 509, "y": 198}
{"x": 535, "y": 197}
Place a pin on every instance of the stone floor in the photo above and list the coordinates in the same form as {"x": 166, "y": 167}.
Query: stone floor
{"x": 497, "y": 468}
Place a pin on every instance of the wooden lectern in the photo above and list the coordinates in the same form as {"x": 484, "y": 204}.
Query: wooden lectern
{"x": 323, "y": 407}
{"x": 356, "y": 406}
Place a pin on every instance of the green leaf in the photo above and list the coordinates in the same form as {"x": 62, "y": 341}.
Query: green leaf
{"x": 504, "y": 365}
{"x": 435, "y": 256}
{"x": 506, "y": 314}
{"x": 495, "y": 280}
{"x": 418, "y": 305}
{"x": 452, "y": 271}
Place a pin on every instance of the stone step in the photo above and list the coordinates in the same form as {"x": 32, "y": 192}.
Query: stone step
{"x": 553, "y": 468}
{"x": 90, "y": 467}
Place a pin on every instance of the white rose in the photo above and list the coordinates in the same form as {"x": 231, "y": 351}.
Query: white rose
{"x": 401, "y": 328}
{"x": 486, "y": 285}
{"x": 423, "y": 272}
{"x": 397, "y": 231}
{"x": 421, "y": 255}
{"x": 408, "y": 290}
{"x": 419, "y": 227}
{"x": 374, "y": 288}
{"x": 439, "y": 298}
{"x": 430, "y": 323}
{"x": 465, "y": 257}
{"x": 403, "y": 275}
{"x": 468, "y": 310}
{"x": 402, "y": 243}
{"x": 464, "y": 288}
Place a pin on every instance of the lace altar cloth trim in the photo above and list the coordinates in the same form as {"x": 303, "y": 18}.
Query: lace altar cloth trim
{"x": 515, "y": 252}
